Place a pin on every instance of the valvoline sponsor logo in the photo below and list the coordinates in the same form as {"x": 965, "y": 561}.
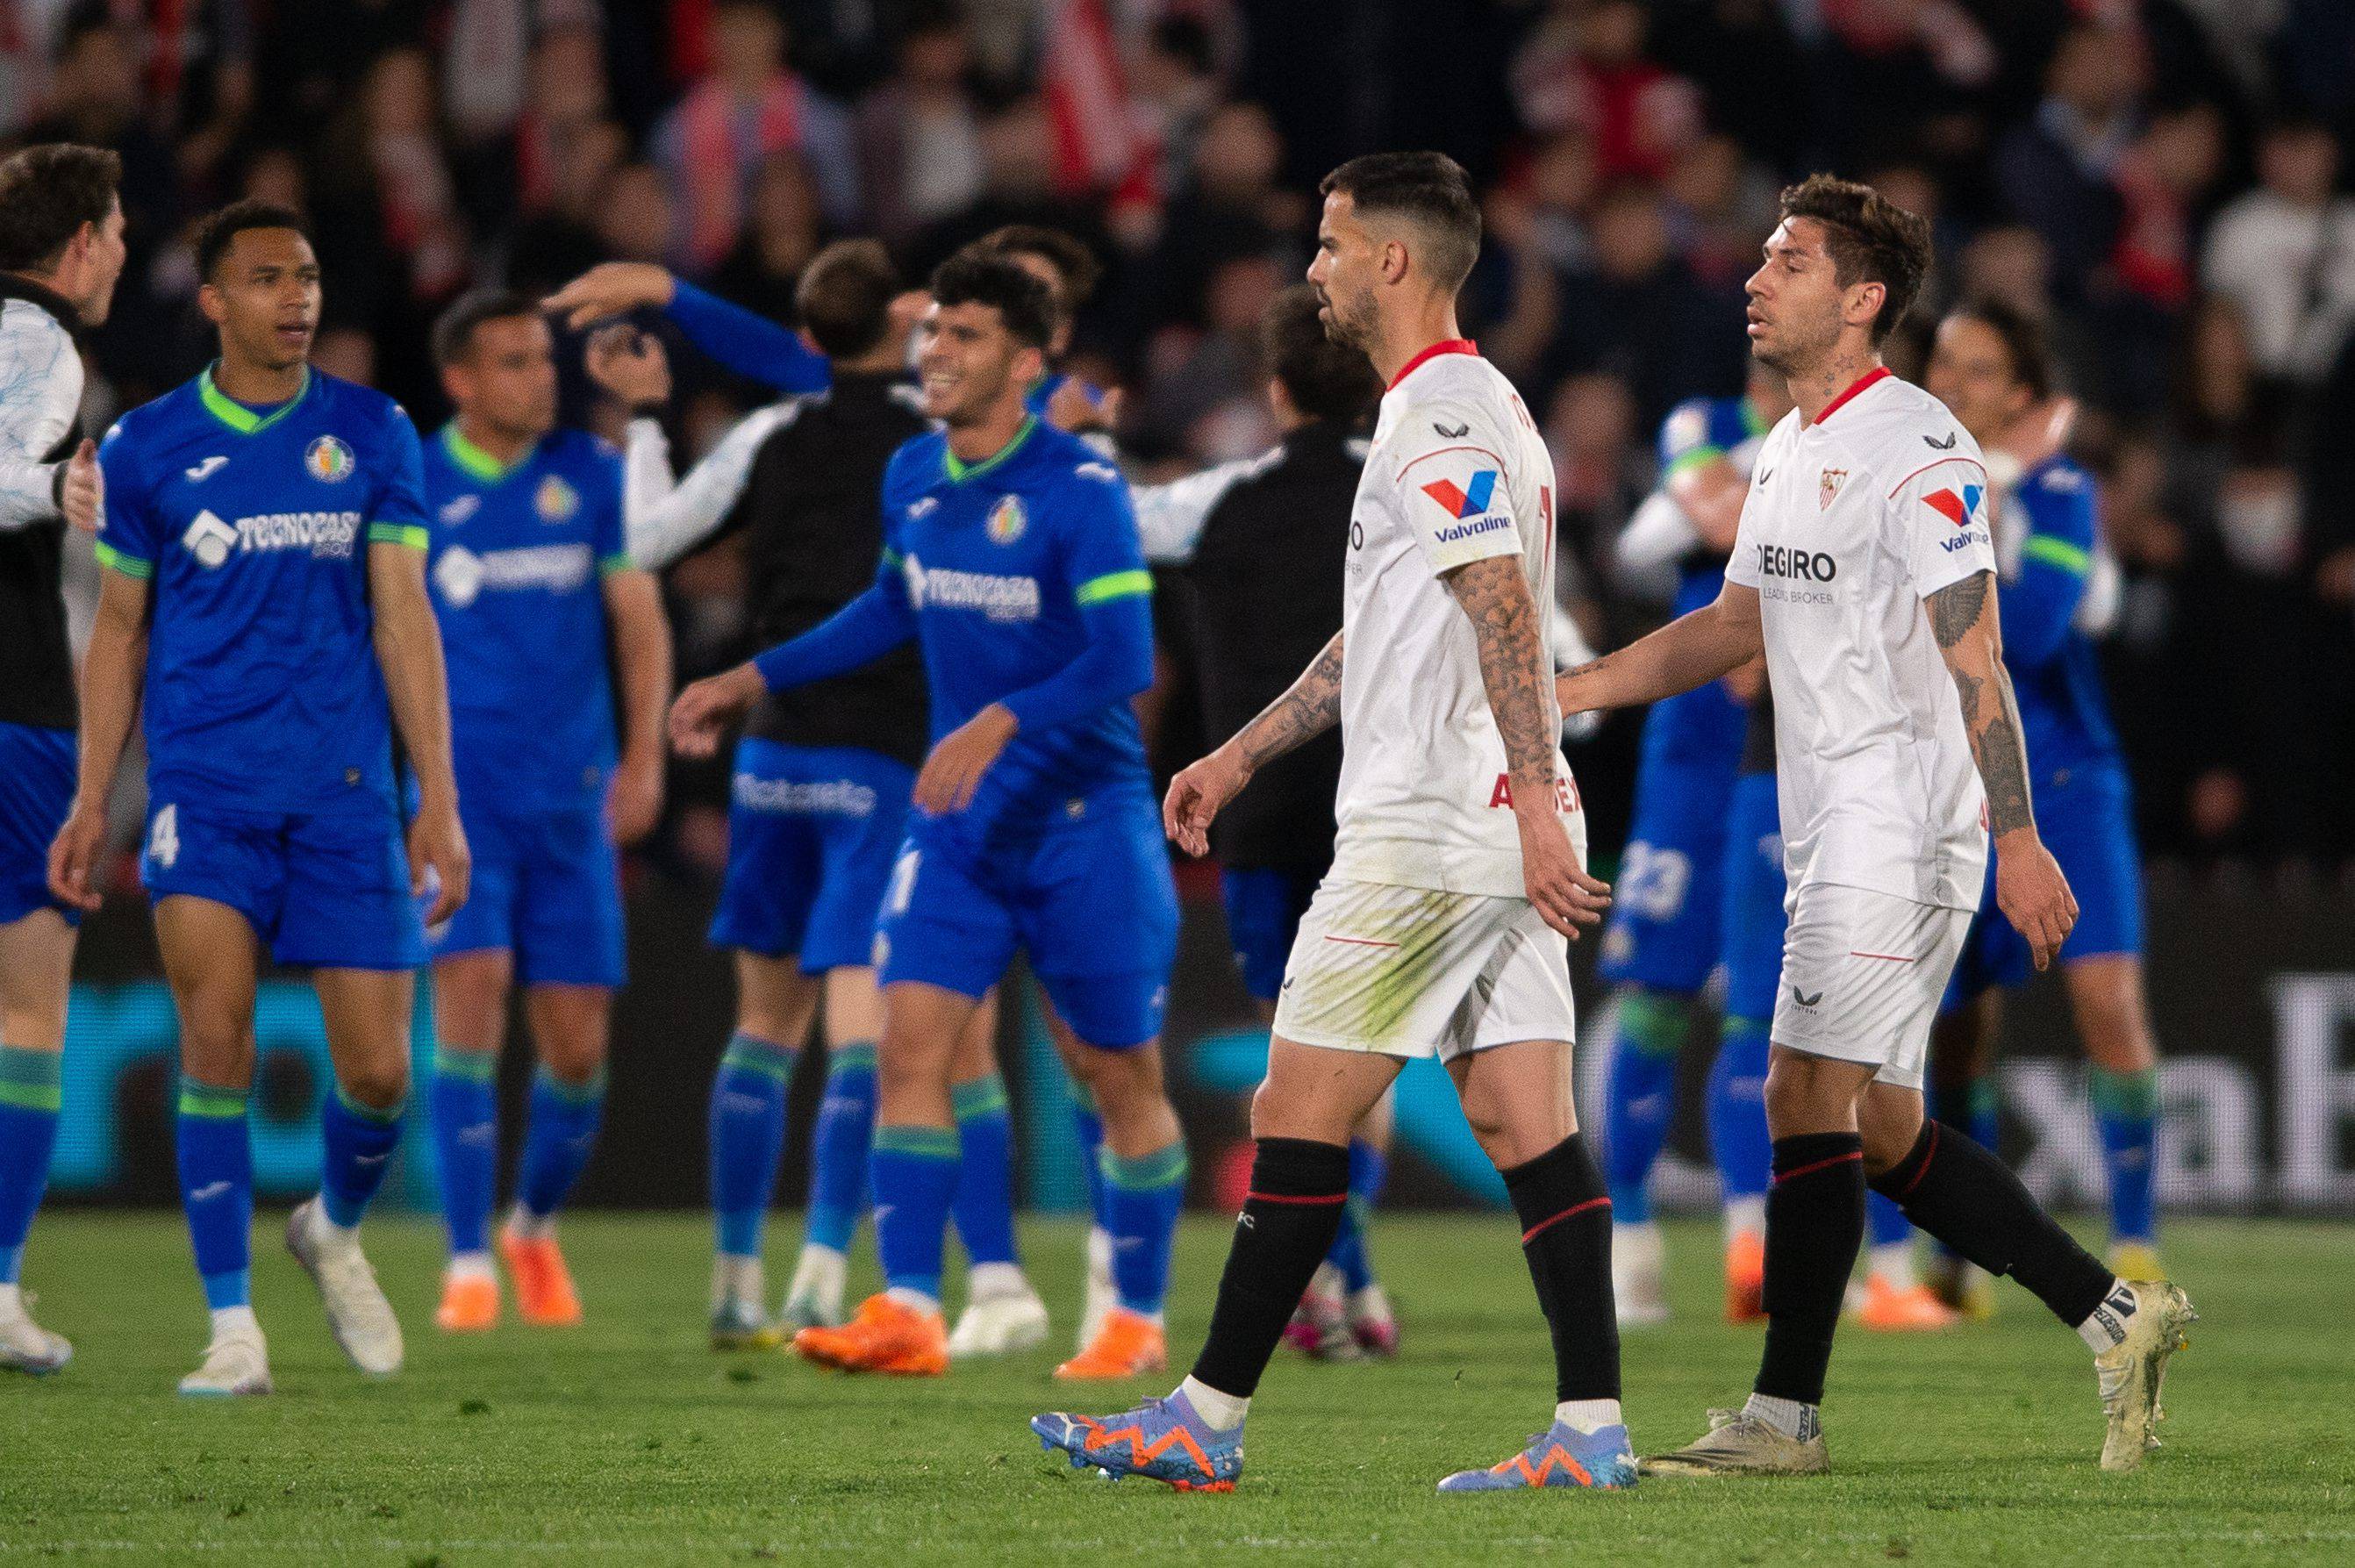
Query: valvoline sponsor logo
{"x": 1960, "y": 510}
{"x": 1469, "y": 501}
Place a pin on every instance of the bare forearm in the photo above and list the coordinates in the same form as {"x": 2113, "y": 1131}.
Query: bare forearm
{"x": 409, "y": 650}
{"x": 642, "y": 649}
{"x": 112, "y": 672}
{"x": 1964, "y": 619}
{"x": 1515, "y": 672}
{"x": 1690, "y": 651}
{"x": 1311, "y": 706}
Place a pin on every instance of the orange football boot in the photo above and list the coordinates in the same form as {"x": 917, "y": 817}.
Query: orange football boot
{"x": 887, "y": 1335}
{"x": 470, "y": 1304}
{"x": 1128, "y": 1344}
{"x": 544, "y": 1293}
{"x": 1887, "y": 1309}
{"x": 1745, "y": 1278}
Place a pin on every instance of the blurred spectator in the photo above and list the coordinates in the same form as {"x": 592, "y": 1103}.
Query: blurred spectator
{"x": 918, "y": 138}
{"x": 1229, "y": 208}
{"x": 781, "y": 232}
{"x": 2057, "y": 171}
{"x": 1585, "y": 67}
{"x": 2284, "y": 253}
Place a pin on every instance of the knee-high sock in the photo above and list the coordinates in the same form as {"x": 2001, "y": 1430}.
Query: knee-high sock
{"x": 1815, "y": 1222}
{"x": 1143, "y": 1197}
{"x": 839, "y": 1147}
{"x": 1089, "y": 1122}
{"x": 1640, "y": 1096}
{"x": 1737, "y": 1110}
{"x": 216, "y": 1160}
{"x": 915, "y": 1174}
{"x": 984, "y": 1204}
{"x": 1969, "y": 1199}
{"x": 465, "y": 1110}
{"x": 30, "y": 1089}
{"x": 1566, "y": 1237}
{"x": 2126, "y": 1108}
{"x": 748, "y": 1138}
{"x": 359, "y": 1142}
{"x": 1368, "y": 1167}
{"x": 565, "y": 1118}
{"x": 1297, "y": 1188}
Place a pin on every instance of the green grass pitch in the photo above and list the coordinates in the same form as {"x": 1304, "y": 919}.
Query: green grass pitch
{"x": 627, "y": 1441}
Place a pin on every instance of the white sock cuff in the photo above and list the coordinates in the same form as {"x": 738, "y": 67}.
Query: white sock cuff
{"x": 1221, "y": 1412}
{"x": 1589, "y": 1415}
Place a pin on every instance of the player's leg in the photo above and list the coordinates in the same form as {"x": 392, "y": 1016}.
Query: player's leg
{"x": 1962, "y": 1092}
{"x": 1002, "y": 1313}
{"x": 1365, "y": 1306}
{"x": 840, "y": 1145}
{"x": 774, "y": 1004}
{"x": 2113, "y": 1013}
{"x": 1087, "y": 1122}
{"x": 36, "y": 975}
{"x": 572, "y": 1026}
{"x": 470, "y": 1015}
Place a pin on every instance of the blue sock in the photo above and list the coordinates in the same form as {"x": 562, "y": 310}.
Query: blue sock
{"x": 1640, "y": 1098}
{"x": 2126, "y": 1108}
{"x": 748, "y": 1138}
{"x": 915, "y": 1174}
{"x": 1367, "y": 1167}
{"x": 29, "y": 1094}
{"x": 359, "y": 1143}
{"x": 216, "y": 1161}
{"x": 1090, "y": 1122}
{"x": 838, "y": 1149}
{"x": 1737, "y": 1109}
{"x": 1885, "y": 1223}
{"x": 983, "y": 1205}
{"x": 557, "y": 1145}
{"x": 1143, "y": 1196}
{"x": 465, "y": 1110}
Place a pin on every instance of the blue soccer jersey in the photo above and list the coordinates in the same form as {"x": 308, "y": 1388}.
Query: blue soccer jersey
{"x": 263, "y": 689}
{"x": 518, "y": 555}
{"x": 1703, "y": 724}
{"x": 2055, "y": 667}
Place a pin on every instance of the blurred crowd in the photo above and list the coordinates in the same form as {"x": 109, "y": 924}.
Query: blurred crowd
{"x": 2163, "y": 181}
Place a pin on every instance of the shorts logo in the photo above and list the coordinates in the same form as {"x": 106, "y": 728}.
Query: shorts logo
{"x": 1468, "y": 502}
{"x": 797, "y": 797}
{"x": 1832, "y": 481}
{"x": 555, "y": 500}
{"x": 1803, "y": 999}
{"x": 1006, "y": 520}
{"x": 328, "y": 459}
{"x": 208, "y": 540}
{"x": 1957, "y": 509}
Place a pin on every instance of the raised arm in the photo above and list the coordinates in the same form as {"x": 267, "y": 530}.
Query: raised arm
{"x": 409, "y": 649}
{"x": 112, "y": 671}
{"x": 1691, "y": 650}
{"x": 748, "y": 344}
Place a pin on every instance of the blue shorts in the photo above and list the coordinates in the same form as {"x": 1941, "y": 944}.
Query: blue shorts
{"x": 548, "y": 887}
{"x": 2085, "y": 816}
{"x": 1664, "y": 915}
{"x": 1754, "y": 888}
{"x": 37, "y": 789}
{"x": 328, "y": 890}
{"x": 811, "y": 833}
{"x": 1091, "y": 903}
{"x": 1264, "y": 904}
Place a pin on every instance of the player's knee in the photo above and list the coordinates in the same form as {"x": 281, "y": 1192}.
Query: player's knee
{"x": 1803, "y": 1097}
{"x": 2111, "y": 1018}
{"x": 576, "y": 1059}
{"x": 1890, "y": 1123}
{"x": 218, "y": 1054}
{"x": 380, "y": 1085}
{"x": 1125, "y": 1083}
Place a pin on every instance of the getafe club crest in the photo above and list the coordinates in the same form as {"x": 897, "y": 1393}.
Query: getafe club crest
{"x": 328, "y": 459}
{"x": 1833, "y": 479}
{"x": 555, "y": 500}
{"x": 1006, "y": 521}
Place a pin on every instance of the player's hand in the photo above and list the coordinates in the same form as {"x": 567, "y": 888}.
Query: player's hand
{"x": 73, "y": 856}
{"x": 2033, "y": 893}
{"x": 1197, "y": 794}
{"x": 1565, "y": 895}
{"x": 700, "y": 714}
{"x": 82, "y": 498}
{"x": 439, "y": 860}
{"x": 611, "y": 289}
{"x": 629, "y": 364}
{"x": 634, "y": 799}
{"x": 954, "y": 771}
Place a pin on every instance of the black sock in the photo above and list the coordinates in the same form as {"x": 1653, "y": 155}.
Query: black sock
{"x": 1566, "y": 1236}
{"x": 1287, "y": 1226}
{"x": 1969, "y": 1199}
{"x": 1815, "y": 1222}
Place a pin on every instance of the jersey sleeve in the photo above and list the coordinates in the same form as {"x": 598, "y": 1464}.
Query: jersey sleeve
{"x": 2056, "y": 560}
{"x": 1938, "y": 516}
{"x": 1451, "y": 485}
{"x": 40, "y": 392}
{"x": 398, "y": 517}
{"x": 1103, "y": 558}
{"x": 128, "y": 538}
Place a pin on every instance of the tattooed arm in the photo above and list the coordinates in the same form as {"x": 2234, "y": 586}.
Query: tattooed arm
{"x": 2029, "y": 887}
{"x": 1691, "y": 650}
{"x": 1308, "y": 708}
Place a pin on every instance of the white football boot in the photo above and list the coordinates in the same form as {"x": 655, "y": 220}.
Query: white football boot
{"x": 237, "y": 1362}
{"x": 1003, "y": 1315}
{"x": 27, "y": 1347}
{"x": 357, "y": 1313}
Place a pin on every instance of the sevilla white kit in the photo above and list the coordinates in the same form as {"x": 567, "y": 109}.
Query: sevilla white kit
{"x": 1851, "y": 522}
{"x": 1421, "y": 941}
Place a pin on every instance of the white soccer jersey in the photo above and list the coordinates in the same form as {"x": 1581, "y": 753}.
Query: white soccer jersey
{"x": 1851, "y": 522}
{"x": 1457, "y": 473}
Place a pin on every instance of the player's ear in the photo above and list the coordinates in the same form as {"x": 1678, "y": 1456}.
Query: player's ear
{"x": 208, "y": 300}
{"x": 1866, "y": 300}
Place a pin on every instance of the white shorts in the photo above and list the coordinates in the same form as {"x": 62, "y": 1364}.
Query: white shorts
{"x": 1416, "y": 972}
{"x": 1863, "y": 973}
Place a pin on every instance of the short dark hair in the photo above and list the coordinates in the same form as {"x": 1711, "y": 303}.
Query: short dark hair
{"x": 980, "y": 275}
{"x": 1432, "y": 189}
{"x": 844, "y": 296}
{"x": 1870, "y": 238}
{"x": 2023, "y": 340}
{"x": 219, "y": 229}
{"x": 47, "y": 194}
{"x": 1067, "y": 253}
{"x": 453, "y": 333}
{"x": 1325, "y": 380}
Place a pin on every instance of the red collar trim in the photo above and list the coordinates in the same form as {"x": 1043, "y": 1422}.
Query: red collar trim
{"x": 1878, "y": 373}
{"x": 1444, "y": 346}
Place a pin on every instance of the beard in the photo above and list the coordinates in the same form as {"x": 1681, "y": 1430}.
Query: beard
{"x": 1347, "y": 328}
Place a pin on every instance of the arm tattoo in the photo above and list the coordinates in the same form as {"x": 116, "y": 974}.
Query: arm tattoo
{"x": 1513, "y": 668}
{"x": 1962, "y": 618}
{"x": 1956, "y": 610}
{"x": 1310, "y": 707}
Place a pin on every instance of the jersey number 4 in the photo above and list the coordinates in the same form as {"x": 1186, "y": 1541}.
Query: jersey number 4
{"x": 163, "y": 837}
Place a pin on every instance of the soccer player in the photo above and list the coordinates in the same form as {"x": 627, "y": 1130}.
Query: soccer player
{"x": 264, "y": 546}
{"x": 1011, "y": 557}
{"x": 60, "y": 252}
{"x": 536, "y": 596}
{"x": 1457, "y": 872}
{"x": 1864, "y": 569}
{"x": 1989, "y": 365}
{"x": 1662, "y": 940}
{"x": 822, "y": 774}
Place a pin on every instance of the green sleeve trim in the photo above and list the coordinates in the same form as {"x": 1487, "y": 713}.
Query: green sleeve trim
{"x": 129, "y": 565}
{"x": 1691, "y": 458}
{"x": 412, "y": 535}
{"x": 618, "y": 562}
{"x": 1115, "y": 585}
{"x": 2057, "y": 553}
